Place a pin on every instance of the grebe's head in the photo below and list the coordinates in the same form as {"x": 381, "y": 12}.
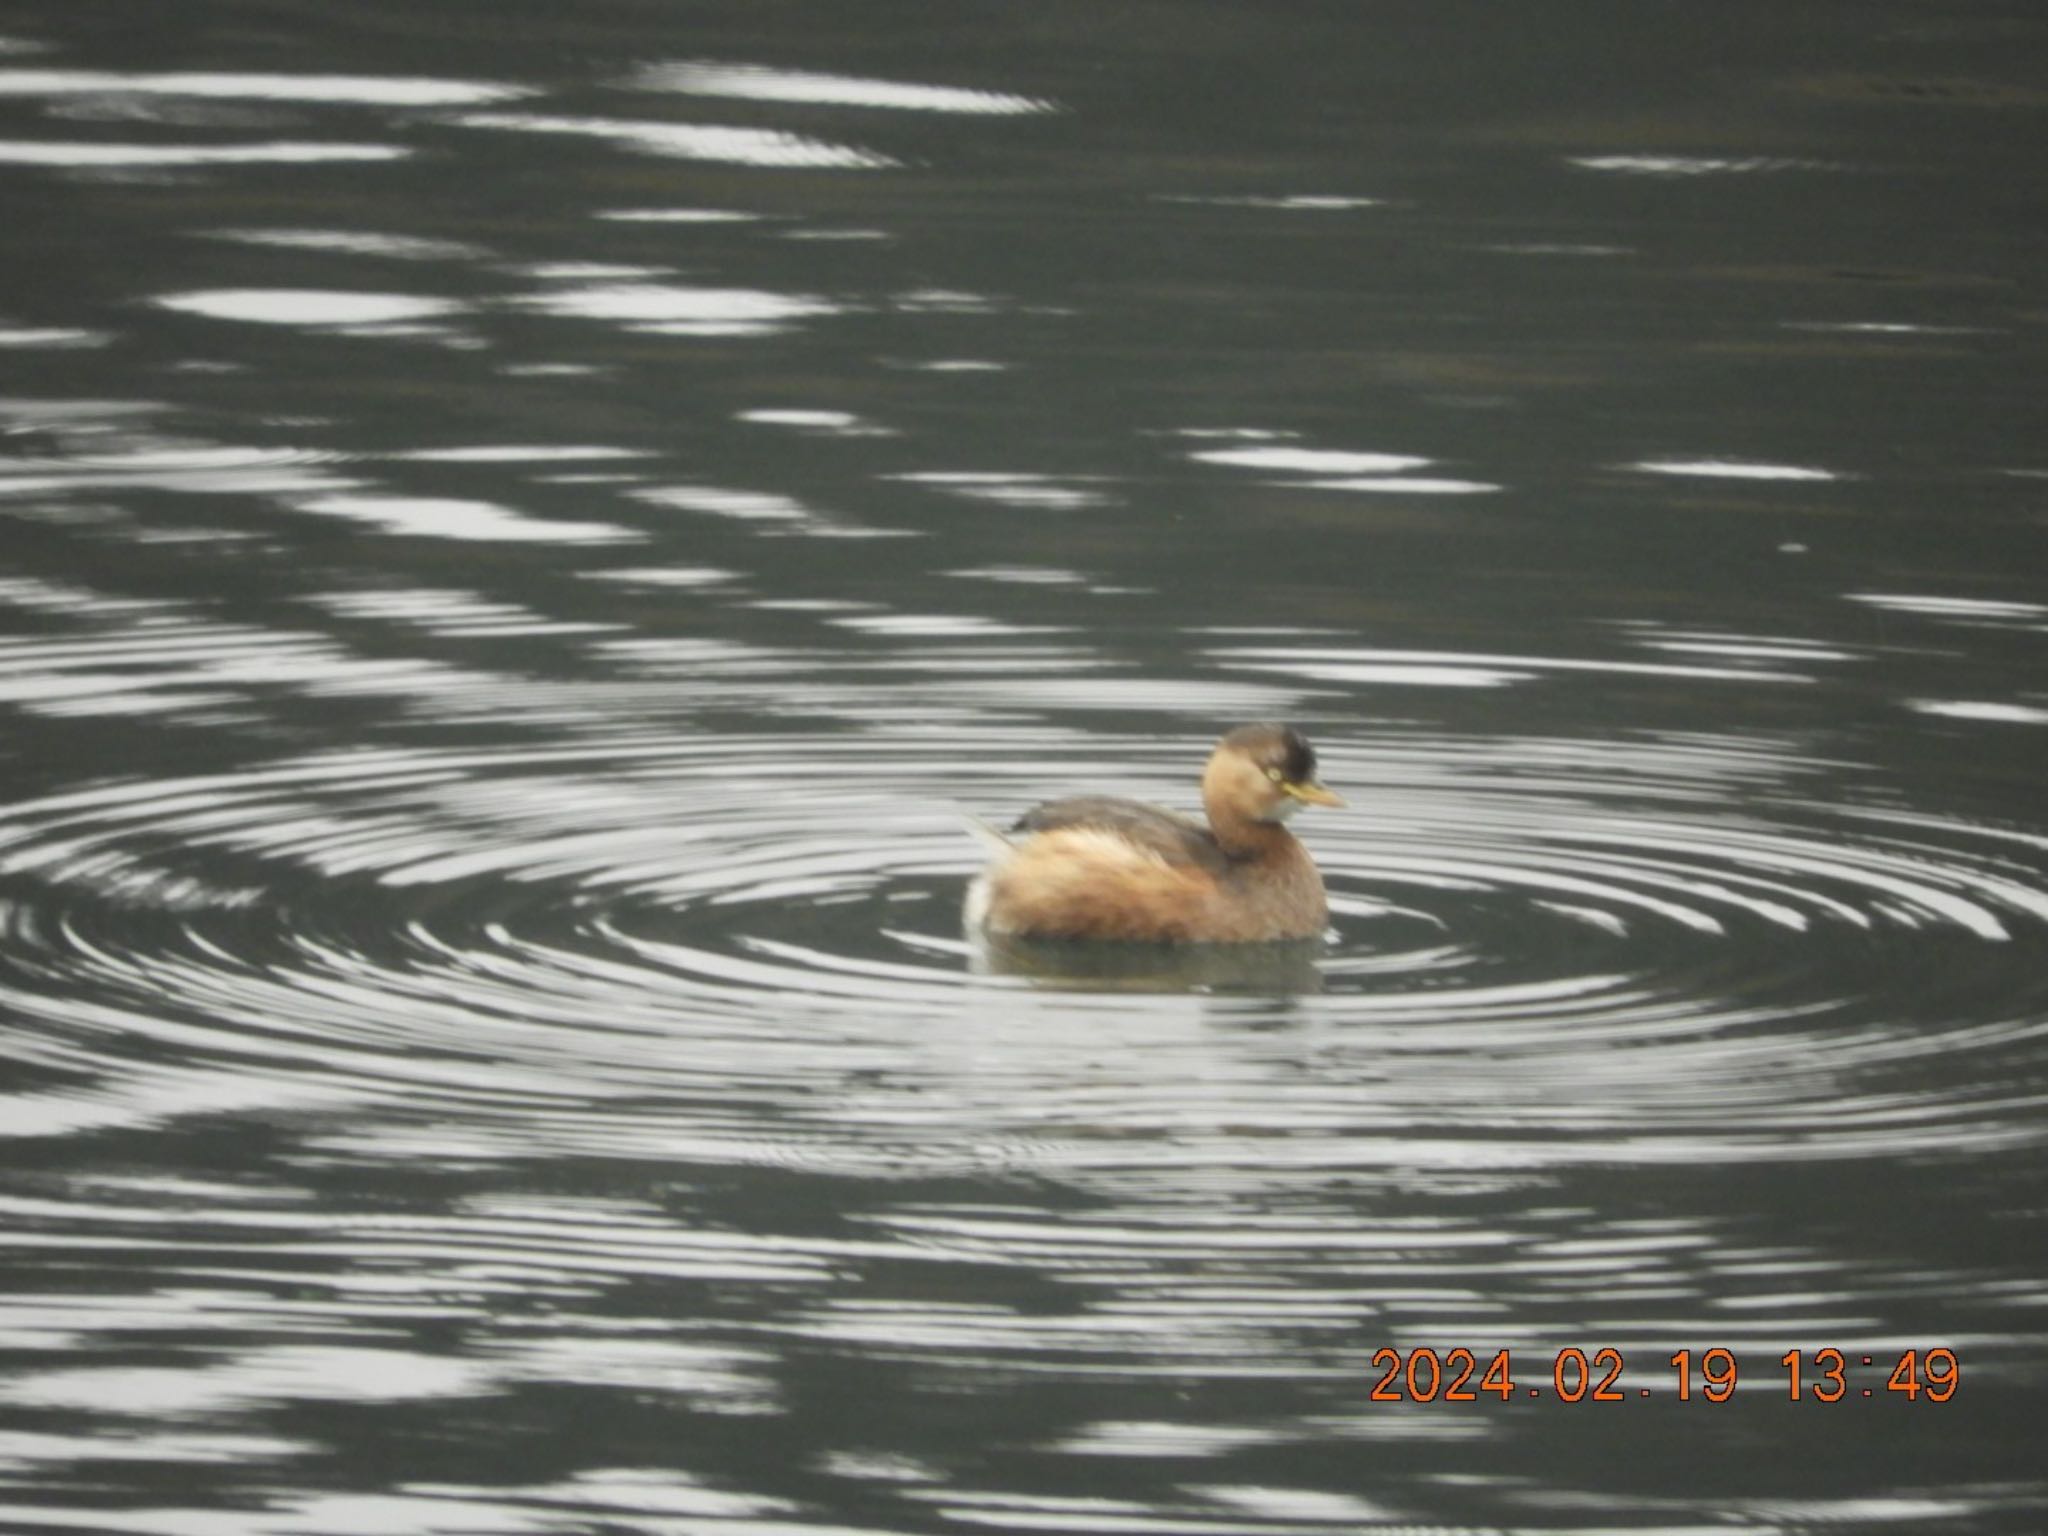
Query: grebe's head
{"x": 1263, "y": 772}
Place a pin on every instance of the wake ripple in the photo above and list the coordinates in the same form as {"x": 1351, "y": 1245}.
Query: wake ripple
{"x": 747, "y": 948}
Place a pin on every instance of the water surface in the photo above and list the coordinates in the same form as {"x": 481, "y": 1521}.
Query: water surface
{"x": 526, "y": 529}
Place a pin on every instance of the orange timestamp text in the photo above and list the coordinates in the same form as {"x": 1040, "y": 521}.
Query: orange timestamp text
{"x": 1827, "y": 1375}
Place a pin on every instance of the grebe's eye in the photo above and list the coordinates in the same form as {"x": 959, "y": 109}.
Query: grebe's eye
{"x": 1275, "y": 775}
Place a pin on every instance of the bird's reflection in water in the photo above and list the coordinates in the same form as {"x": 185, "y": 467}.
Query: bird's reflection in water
{"x": 1283, "y": 969}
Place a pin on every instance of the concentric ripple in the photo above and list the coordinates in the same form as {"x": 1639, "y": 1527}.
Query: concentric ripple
{"x": 747, "y": 948}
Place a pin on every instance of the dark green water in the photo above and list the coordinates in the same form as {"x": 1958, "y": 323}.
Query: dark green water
{"x": 523, "y": 529}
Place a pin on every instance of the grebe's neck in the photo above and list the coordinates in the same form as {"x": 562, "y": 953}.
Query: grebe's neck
{"x": 1238, "y": 832}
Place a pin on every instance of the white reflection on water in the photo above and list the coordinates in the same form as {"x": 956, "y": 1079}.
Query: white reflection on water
{"x": 23, "y": 1452}
{"x": 138, "y": 657}
{"x": 1310, "y": 461}
{"x": 1148, "y": 1438}
{"x": 648, "y": 1501}
{"x": 1306, "y": 1505}
{"x": 1987, "y": 612}
{"x": 286, "y": 1373}
{"x": 855, "y": 233}
{"x": 669, "y": 309}
{"x": 448, "y": 517}
{"x": 771, "y": 512}
{"x": 449, "y": 611}
{"x": 1693, "y": 165}
{"x": 307, "y": 306}
{"x": 52, "y": 337}
{"x": 1011, "y": 488}
{"x": 144, "y": 156}
{"x": 355, "y": 242}
{"x": 1302, "y": 202}
{"x": 1360, "y": 664}
{"x": 1734, "y": 469}
{"x": 590, "y": 271}
{"x": 517, "y": 453}
{"x": 711, "y": 1378}
{"x": 823, "y": 423}
{"x": 677, "y": 216}
{"x": 665, "y": 575}
{"x": 953, "y": 365}
{"x": 758, "y": 82}
{"x": 768, "y": 148}
{"x": 1558, "y": 248}
{"x": 1886, "y": 328}
{"x": 357, "y": 90}
{"x": 1023, "y": 575}
{"x": 1336, "y": 469}
{"x": 304, "y": 482}
{"x": 1965, "y": 709}
{"x": 1713, "y": 642}
{"x": 175, "y": 466}
{"x": 938, "y": 625}
{"x": 1409, "y": 485}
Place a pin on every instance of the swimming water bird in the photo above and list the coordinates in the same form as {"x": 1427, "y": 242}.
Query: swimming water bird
{"x": 1096, "y": 867}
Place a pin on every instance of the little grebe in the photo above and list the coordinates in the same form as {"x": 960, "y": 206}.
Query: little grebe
{"x": 1101, "y": 868}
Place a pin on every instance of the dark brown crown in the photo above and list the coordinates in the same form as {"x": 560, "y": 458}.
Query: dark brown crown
{"x": 1272, "y": 745}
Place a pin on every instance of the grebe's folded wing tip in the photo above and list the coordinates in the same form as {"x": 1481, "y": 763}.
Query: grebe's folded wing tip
{"x": 994, "y": 839}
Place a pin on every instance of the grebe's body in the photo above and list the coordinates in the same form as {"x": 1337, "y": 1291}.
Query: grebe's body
{"x": 1103, "y": 868}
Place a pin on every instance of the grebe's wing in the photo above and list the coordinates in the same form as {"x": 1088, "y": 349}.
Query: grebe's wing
{"x": 1173, "y": 838}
